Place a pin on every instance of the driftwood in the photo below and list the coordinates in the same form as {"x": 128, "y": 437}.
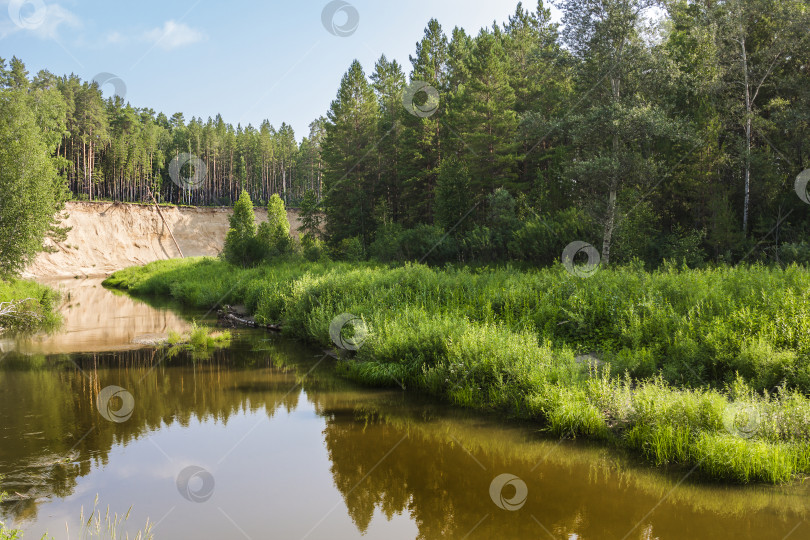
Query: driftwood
{"x": 229, "y": 317}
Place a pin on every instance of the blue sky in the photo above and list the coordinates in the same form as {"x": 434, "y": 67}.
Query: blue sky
{"x": 246, "y": 59}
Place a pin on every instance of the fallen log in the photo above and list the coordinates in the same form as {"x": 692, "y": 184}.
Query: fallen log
{"x": 228, "y": 317}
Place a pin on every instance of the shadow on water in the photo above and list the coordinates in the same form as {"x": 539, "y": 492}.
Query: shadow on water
{"x": 293, "y": 451}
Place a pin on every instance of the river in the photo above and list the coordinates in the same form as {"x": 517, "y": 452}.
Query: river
{"x": 263, "y": 440}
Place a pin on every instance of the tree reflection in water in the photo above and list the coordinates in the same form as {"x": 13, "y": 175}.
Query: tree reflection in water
{"x": 389, "y": 453}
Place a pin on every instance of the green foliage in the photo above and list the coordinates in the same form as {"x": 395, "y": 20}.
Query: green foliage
{"x": 453, "y": 197}
{"x": 350, "y": 249}
{"x": 310, "y": 215}
{"x": 200, "y": 339}
{"x": 677, "y": 141}
{"x": 692, "y": 350}
{"x": 246, "y": 244}
{"x": 312, "y": 248}
{"x": 541, "y": 239}
{"x": 273, "y": 236}
{"x": 31, "y": 191}
{"x": 240, "y": 243}
{"x": 26, "y": 306}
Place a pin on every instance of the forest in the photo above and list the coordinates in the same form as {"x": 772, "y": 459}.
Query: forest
{"x": 674, "y": 133}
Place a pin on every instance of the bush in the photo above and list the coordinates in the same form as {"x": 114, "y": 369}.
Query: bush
{"x": 424, "y": 242}
{"x": 385, "y": 247}
{"x": 795, "y": 253}
{"x": 350, "y": 249}
{"x": 541, "y": 240}
{"x": 312, "y": 248}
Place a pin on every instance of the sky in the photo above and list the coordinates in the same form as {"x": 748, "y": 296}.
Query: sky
{"x": 248, "y": 60}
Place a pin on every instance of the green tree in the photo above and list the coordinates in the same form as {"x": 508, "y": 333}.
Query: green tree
{"x": 349, "y": 167}
{"x": 423, "y": 136}
{"x": 453, "y": 197}
{"x": 240, "y": 242}
{"x": 619, "y": 134}
{"x": 488, "y": 124}
{"x": 310, "y": 215}
{"x": 389, "y": 84}
{"x": 274, "y": 234}
{"x": 31, "y": 191}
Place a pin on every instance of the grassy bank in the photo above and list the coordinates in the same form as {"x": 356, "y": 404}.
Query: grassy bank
{"x": 27, "y": 306}
{"x": 706, "y": 369}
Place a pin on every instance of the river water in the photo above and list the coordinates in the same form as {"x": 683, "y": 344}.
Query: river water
{"x": 263, "y": 440}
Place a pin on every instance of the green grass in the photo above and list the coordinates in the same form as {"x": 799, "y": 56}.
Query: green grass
{"x": 685, "y": 352}
{"x": 201, "y": 341}
{"x": 34, "y": 306}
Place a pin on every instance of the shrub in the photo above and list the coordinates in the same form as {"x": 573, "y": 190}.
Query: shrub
{"x": 312, "y": 248}
{"x": 542, "y": 239}
{"x": 350, "y": 249}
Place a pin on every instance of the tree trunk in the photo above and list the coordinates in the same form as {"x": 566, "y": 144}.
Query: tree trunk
{"x": 748, "y": 131}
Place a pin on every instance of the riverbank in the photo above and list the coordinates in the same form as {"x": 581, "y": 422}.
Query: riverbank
{"x": 26, "y": 306}
{"x": 679, "y": 366}
{"x": 106, "y": 236}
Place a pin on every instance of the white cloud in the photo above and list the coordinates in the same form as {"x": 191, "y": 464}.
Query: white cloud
{"x": 115, "y": 37}
{"x": 174, "y": 35}
{"x": 40, "y": 19}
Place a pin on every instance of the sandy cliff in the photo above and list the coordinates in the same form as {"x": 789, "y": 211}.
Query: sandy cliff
{"x": 106, "y": 237}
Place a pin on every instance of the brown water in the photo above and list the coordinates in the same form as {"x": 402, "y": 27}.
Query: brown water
{"x": 285, "y": 449}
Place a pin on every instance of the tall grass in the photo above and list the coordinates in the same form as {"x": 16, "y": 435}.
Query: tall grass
{"x": 27, "y": 306}
{"x": 687, "y": 348}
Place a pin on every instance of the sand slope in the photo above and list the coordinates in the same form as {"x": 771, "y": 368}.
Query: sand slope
{"x": 106, "y": 237}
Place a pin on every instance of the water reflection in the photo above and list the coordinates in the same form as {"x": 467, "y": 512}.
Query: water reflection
{"x": 296, "y": 452}
{"x": 96, "y": 319}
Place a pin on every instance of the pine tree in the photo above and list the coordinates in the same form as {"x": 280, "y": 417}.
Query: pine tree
{"x": 310, "y": 215}
{"x": 349, "y": 165}
{"x": 488, "y": 125}
{"x": 422, "y": 138}
{"x": 239, "y": 245}
{"x": 389, "y": 84}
